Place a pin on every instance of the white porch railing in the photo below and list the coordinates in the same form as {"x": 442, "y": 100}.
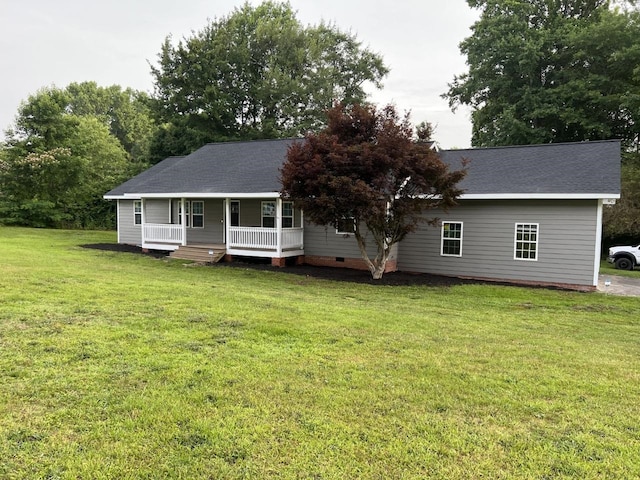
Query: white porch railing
{"x": 292, "y": 238}
{"x": 162, "y": 233}
{"x": 264, "y": 238}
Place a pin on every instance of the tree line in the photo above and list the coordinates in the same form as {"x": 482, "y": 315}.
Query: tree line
{"x": 542, "y": 71}
{"x": 539, "y": 71}
{"x": 257, "y": 72}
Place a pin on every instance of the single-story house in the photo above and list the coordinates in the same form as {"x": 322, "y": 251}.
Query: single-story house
{"x": 529, "y": 214}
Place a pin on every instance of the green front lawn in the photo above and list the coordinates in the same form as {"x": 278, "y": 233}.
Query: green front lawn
{"x": 118, "y": 365}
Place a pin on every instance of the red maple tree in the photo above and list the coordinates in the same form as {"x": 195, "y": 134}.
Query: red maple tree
{"x": 367, "y": 166}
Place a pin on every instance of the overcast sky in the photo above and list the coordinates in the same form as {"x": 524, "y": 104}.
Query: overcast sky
{"x": 45, "y": 43}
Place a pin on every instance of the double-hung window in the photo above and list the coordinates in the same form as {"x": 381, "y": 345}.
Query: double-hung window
{"x": 526, "y": 241}
{"x": 197, "y": 214}
{"x": 268, "y": 214}
{"x": 451, "y": 239}
{"x": 287, "y": 214}
{"x": 137, "y": 212}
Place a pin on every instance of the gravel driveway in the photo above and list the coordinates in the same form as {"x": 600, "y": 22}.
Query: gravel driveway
{"x": 616, "y": 285}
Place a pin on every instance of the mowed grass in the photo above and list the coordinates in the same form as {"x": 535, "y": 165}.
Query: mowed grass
{"x": 607, "y": 268}
{"x": 118, "y": 365}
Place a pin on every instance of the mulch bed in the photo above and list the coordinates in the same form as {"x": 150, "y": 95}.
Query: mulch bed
{"x": 328, "y": 273}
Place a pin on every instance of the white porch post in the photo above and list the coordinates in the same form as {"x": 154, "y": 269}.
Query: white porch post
{"x": 279, "y": 227}
{"x": 183, "y": 221}
{"x": 142, "y": 220}
{"x": 227, "y": 220}
{"x": 596, "y": 265}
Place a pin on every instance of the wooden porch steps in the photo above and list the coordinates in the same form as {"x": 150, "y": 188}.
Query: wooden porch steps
{"x": 200, "y": 253}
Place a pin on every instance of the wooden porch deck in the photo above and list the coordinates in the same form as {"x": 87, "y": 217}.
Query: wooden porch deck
{"x": 207, "y": 253}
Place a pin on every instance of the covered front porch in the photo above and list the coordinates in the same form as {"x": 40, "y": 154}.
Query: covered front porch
{"x": 256, "y": 227}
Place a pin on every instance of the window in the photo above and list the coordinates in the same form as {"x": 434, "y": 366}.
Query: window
{"x": 269, "y": 214}
{"x": 526, "y": 241}
{"x": 194, "y": 213}
{"x": 287, "y": 214}
{"x": 137, "y": 212}
{"x": 346, "y": 226}
{"x": 451, "y": 240}
{"x": 197, "y": 214}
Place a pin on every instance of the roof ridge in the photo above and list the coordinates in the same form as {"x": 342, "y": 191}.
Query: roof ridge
{"x": 255, "y": 140}
{"x": 533, "y": 145}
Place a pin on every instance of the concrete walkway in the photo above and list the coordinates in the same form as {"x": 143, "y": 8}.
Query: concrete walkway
{"x": 616, "y": 285}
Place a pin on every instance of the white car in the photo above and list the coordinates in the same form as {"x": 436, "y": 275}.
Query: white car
{"x": 625, "y": 257}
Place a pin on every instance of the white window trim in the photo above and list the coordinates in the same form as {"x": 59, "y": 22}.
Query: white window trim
{"x": 263, "y": 216}
{"x": 338, "y": 232}
{"x": 197, "y": 214}
{"x": 136, "y": 212}
{"x": 292, "y": 216}
{"x": 536, "y": 242}
{"x": 442, "y": 238}
{"x": 188, "y": 206}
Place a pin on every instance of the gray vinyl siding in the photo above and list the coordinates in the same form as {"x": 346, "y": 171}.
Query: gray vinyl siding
{"x": 251, "y": 212}
{"x": 325, "y": 242}
{"x": 213, "y": 231}
{"x": 128, "y": 232}
{"x": 566, "y": 242}
{"x": 156, "y": 211}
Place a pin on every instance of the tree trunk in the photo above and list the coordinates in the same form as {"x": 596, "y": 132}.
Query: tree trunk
{"x": 378, "y": 270}
{"x": 377, "y": 266}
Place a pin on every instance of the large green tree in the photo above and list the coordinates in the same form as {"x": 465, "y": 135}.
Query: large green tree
{"x": 551, "y": 71}
{"x": 256, "y": 73}
{"x": 68, "y": 147}
{"x": 622, "y": 220}
{"x": 365, "y": 167}
{"x": 61, "y": 184}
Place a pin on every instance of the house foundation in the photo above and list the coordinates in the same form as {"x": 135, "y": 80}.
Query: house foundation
{"x": 340, "y": 262}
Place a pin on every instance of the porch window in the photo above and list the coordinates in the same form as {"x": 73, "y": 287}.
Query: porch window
{"x": 268, "y": 214}
{"x": 526, "y": 241}
{"x": 137, "y": 212}
{"x": 346, "y": 226}
{"x": 194, "y": 213}
{"x": 451, "y": 239}
{"x": 197, "y": 214}
{"x": 287, "y": 214}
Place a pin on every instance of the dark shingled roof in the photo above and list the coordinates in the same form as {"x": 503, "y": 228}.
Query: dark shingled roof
{"x": 562, "y": 168}
{"x": 253, "y": 167}
{"x": 233, "y": 167}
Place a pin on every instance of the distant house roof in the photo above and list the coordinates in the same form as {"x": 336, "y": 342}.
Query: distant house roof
{"x": 243, "y": 169}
